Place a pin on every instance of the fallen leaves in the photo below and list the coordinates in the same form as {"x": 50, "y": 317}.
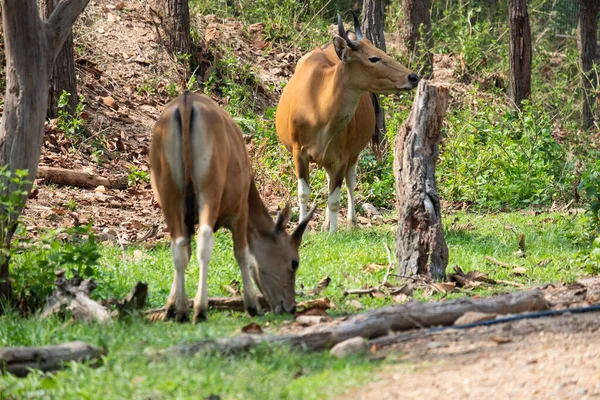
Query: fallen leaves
{"x": 253, "y": 328}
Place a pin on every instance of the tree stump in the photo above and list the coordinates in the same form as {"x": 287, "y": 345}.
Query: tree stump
{"x": 420, "y": 245}
{"x": 520, "y": 51}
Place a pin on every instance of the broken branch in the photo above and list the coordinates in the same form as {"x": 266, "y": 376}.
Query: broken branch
{"x": 61, "y": 176}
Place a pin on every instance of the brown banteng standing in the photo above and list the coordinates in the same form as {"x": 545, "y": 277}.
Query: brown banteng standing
{"x": 326, "y": 114}
{"x": 201, "y": 174}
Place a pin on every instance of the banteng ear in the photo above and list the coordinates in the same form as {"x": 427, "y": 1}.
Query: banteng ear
{"x": 299, "y": 231}
{"x": 341, "y": 47}
{"x": 283, "y": 218}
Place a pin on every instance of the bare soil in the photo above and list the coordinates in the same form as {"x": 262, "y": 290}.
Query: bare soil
{"x": 547, "y": 358}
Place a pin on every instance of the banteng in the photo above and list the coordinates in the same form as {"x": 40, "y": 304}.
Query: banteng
{"x": 326, "y": 113}
{"x": 201, "y": 175}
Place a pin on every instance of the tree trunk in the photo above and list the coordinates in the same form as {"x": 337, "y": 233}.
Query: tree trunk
{"x": 371, "y": 324}
{"x": 416, "y": 19}
{"x": 588, "y": 27}
{"x": 177, "y": 20}
{"x": 373, "y": 21}
{"x": 420, "y": 245}
{"x": 372, "y": 24}
{"x": 63, "y": 77}
{"x": 520, "y": 51}
{"x": 31, "y": 47}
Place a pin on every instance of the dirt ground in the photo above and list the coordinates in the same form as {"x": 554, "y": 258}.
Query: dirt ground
{"x": 546, "y": 358}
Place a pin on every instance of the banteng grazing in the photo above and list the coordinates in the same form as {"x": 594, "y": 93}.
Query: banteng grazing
{"x": 201, "y": 175}
{"x": 326, "y": 113}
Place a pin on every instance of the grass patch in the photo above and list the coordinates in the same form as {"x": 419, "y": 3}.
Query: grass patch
{"x": 276, "y": 373}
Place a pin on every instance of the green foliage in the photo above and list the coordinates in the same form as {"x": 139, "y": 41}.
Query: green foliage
{"x": 172, "y": 90}
{"x": 495, "y": 157}
{"x": 590, "y": 186}
{"x": 72, "y": 249}
{"x": 70, "y": 123}
{"x": 136, "y": 176}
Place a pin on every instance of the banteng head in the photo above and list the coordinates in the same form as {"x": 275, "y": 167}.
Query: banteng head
{"x": 277, "y": 260}
{"x": 370, "y": 68}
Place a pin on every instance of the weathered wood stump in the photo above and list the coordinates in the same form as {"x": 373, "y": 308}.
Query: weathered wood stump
{"x": 420, "y": 245}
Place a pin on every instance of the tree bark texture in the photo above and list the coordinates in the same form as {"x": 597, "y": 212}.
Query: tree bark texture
{"x": 63, "y": 76}
{"x": 61, "y": 176}
{"x": 177, "y": 20}
{"x": 372, "y": 25}
{"x": 372, "y": 324}
{"x": 31, "y": 47}
{"x": 520, "y": 51}
{"x": 588, "y": 50}
{"x": 373, "y": 22}
{"x": 420, "y": 245}
{"x": 417, "y": 19}
{"x": 20, "y": 360}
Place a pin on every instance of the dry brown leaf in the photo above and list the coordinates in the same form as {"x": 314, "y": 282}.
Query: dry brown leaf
{"x": 519, "y": 271}
{"x": 400, "y": 298}
{"x": 322, "y": 285}
{"x": 252, "y": 327}
{"x": 314, "y": 307}
{"x": 522, "y": 242}
{"x": 476, "y": 276}
{"x": 110, "y": 102}
{"x": 370, "y": 268}
{"x": 407, "y": 289}
{"x": 544, "y": 262}
{"x": 443, "y": 287}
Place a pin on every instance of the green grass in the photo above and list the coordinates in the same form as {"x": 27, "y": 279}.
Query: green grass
{"x": 276, "y": 373}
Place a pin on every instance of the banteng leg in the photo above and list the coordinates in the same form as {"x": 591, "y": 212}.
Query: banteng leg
{"x": 245, "y": 261}
{"x": 351, "y": 183}
{"x": 334, "y": 181}
{"x": 205, "y": 243}
{"x": 302, "y": 172}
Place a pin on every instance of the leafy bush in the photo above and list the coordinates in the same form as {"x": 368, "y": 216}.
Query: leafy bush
{"x": 495, "y": 157}
{"x": 71, "y": 124}
{"x": 73, "y": 249}
{"x": 590, "y": 187}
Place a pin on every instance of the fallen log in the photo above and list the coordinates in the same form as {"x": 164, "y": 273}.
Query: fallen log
{"x": 371, "y": 324}
{"x": 21, "y": 360}
{"x": 69, "y": 177}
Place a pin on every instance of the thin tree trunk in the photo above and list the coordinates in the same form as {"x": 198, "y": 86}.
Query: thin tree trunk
{"x": 372, "y": 23}
{"x": 63, "y": 76}
{"x": 417, "y": 18}
{"x": 520, "y": 51}
{"x": 420, "y": 245}
{"x": 177, "y": 19}
{"x": 31, "y": 46}
{"x": 588, "y": 27}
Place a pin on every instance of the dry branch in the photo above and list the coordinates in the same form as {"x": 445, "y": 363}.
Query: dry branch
{"x": 73, "y": 295}
{"x": 61, "y": 176}
{"x": 21, "y": 360}
{"x": 372, "y": 324}
{"x": 220, "y": 303}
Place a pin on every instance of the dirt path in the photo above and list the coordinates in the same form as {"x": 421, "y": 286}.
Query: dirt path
{"x": 547, "y": 358}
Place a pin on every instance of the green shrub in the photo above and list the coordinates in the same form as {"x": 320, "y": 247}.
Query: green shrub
{"x": 71, "y": 124}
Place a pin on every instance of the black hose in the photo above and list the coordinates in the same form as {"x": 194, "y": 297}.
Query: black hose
{"x": 539, "y": 314}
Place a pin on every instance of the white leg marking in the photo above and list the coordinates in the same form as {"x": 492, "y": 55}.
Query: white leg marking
{"x": 205, "y": 243}
{"x": 179, "y": 250}
{"x": 246, "y": 261}
{"x": 351, "y": 183}
{"x": 303, "y": 197}
{"x": 333, "y": 207}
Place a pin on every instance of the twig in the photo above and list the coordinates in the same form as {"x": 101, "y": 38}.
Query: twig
{"x": 360, "y": 291}
{"x": 498, "y": 262}
{"x": 389, "y": 268}
{"x": 510, "y": 283}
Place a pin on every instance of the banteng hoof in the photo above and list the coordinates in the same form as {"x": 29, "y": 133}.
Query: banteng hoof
{"x": 200, "y": 316}
{"x": 254, "y": 311}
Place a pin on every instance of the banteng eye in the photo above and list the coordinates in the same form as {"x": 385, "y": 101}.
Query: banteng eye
{"x": 295, "y": 264}
{"x": 374, "y": 59}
